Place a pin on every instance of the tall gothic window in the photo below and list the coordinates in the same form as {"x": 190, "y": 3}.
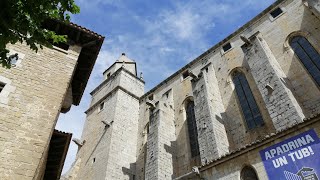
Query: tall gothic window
{"x": 309, "y": 57}
{"x": 192, "y": 129}
{"x": 247, "y": 102}
{"x": 248, "y": 173}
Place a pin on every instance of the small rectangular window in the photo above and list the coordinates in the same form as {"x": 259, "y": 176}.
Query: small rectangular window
{"x": 63, "y": 46}
{"x": 14, "y": 58}
{"x": 276, "y": 12}
{"x": 185, "y": 74}
{"x": 108, "y": 75}
{"x": 101, "y": 106}
{"x": 150, "y": 97}
{"x": 226, "y": 47}
{"x": 166, "y": 94}
{"x": 2, "y": 86}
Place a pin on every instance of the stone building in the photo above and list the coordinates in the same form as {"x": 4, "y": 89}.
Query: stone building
{"x": 33, "y": 93}
{"x": 250, "y": 100}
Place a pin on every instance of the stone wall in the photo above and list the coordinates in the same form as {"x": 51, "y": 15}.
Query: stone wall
{"x": 161, "y": 141}
{"x": 284, "y": 92}
{"x": 182, "y": 96}
{"x": 110, "y": 131}
{"x": 270, "y": 57}
{"x": 121, "y": 78}
{"x": 282, "y": 107}
{"x": 143, "y": 132}
{"x": 209, "y": 110}
{"x": 34, "y": 96}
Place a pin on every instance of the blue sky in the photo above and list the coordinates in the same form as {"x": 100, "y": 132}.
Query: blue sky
{"x": 161, "y": 36}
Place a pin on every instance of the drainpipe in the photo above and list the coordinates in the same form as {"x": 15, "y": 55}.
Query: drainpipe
{"x": 195, "y": 172}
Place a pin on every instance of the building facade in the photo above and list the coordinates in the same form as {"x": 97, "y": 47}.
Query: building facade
{"x": 218, "y": 116}
{"x": 33, "y": 92}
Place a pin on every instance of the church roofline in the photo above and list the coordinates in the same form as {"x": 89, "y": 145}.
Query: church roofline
{"x": 213, "y": 48}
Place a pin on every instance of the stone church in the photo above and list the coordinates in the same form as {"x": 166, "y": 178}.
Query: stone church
{"x": 247, "y": 108}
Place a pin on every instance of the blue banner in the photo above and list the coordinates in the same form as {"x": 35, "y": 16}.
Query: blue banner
{"x": 297, "y": 158}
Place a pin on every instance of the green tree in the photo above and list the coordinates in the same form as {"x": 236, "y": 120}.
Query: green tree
{"x": 21, "y": 21}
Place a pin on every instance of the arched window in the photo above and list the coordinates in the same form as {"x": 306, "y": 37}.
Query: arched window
{"x": 307, "y": 54}
{"x": 247, "y": 102}
{"x": 192, "y": 129}
{"x": 248, "y": 173}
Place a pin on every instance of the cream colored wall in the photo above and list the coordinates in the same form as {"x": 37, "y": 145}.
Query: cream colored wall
{"x": 27, "y": 119}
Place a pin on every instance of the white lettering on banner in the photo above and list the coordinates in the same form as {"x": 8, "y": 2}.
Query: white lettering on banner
{"x": 296, "y": 155}
{"x": 290, "y": 146}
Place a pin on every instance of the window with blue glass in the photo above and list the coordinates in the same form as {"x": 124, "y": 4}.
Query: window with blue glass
{"x": 192, "y": 129}
{"x": 308, "y": 55}
{"x": 247, "y": 102}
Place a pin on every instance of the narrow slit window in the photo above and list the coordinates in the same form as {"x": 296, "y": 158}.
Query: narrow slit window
{"x": 2, "y": 85}
{"x": 101, "y": 107}
{"x": 226, "y": 47}
{"x": 192, "y": 129}
{"x": 275, "y": 13}
{"x": 166, "y": 94}
{"x": 247, "y": 102}
{"x": 308, "y": 55}
{"x": 147, "y": 128}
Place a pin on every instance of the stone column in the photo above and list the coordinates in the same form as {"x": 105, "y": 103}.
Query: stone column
{"x": 314, "y": 6}
{"x": 282, "y": 106}
{"x": 160, "y": 143}
{"x": 212, "y": 136}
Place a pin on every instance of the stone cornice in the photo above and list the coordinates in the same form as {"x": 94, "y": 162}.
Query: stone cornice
{"x": 109, "y": 94}
{"x": 113, "y": 76}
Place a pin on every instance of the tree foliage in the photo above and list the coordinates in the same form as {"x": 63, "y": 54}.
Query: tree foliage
{"x": 21, "y": 21}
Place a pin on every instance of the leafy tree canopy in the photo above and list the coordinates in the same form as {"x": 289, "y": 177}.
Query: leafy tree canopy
{"x": 21, "y": 21}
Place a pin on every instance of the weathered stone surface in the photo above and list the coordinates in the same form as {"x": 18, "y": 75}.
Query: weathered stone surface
{"x": 111, "y": 130}
{"x": 161, "y": 140}
{"x": 280, "y": 102}
{"x": 212, "y": 136}
{"x": 314, "y": 5}
{"x": 29, "y": 111}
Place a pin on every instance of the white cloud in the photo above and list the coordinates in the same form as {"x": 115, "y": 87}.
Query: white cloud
{"x": 185, "y": 22}
{"x": 183, "y": 25}
{"x": 166, "y": 49}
